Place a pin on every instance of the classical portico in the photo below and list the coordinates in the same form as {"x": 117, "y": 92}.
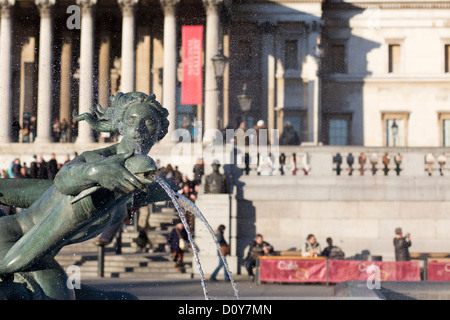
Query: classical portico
{"x": 128, "y": 45}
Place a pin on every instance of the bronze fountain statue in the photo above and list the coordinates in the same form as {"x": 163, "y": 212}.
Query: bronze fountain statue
{"x": 89, "y": 193}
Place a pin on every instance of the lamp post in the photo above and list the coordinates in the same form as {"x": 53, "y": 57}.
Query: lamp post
{"x": 219, "y": 62}
{"x": 318, "y": 52}
{"x": 394, "y": 129}
{"x": 245, "y": 101}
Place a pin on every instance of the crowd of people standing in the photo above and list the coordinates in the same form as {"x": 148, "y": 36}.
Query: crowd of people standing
{"x": 37, "y": 169}
{"x": 62, "y": 131}
{"x": 188, "y": 187}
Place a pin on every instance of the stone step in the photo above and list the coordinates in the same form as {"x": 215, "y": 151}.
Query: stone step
{"x": 123, "y": 259}
{"x": 136, "y": 275}
{"x": 121, "y": 269}
{"x": 131, "y": 264}
{"x": 154, "y": 266}
{"x": 173, "y": 275}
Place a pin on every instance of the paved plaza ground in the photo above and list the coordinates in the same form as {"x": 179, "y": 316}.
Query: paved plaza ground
{"x": 191, "y": 289}
{"x": 181, "y": 298}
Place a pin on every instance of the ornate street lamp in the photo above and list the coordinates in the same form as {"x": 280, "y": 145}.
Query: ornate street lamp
{"x": 245, "y": 101}
{"x": 220, "y": 62}
{"x": 394, "y": 129}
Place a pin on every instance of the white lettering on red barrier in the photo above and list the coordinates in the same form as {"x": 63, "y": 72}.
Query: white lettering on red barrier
{"x": 447, "y": 267}
{"x": 287, "y": 265}
{"x": 335, "y": 271}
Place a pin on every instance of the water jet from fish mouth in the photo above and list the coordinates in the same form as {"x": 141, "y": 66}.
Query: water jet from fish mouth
{"x": 187, "y": 205}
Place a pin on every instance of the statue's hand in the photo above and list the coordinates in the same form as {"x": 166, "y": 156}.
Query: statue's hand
{"x": 112, "y": 175}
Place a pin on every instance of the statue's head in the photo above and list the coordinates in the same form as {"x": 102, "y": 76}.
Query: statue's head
{"x": 215, "y": 165}
{"x": 138, "y": 117}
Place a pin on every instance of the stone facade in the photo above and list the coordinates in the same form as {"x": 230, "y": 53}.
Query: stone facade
{"x": 340, "y": 71}
{"x": 393, "y": 66}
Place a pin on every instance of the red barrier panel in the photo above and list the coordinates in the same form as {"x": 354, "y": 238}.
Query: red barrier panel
{"x": 438, "y": 271}
{"x": 279, "y": 269}
{"x": 292, "y": 270}
{"x": 343, "y": 270}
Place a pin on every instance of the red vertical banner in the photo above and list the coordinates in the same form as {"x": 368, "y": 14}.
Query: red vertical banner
{"x": 192, "y": 84}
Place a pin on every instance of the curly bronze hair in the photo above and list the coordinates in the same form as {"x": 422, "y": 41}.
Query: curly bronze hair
{"x": 107, "y": 120}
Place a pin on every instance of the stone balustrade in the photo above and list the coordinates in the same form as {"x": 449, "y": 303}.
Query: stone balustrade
{"x": 299, "y": 160}
{"x": 348, "y": 161}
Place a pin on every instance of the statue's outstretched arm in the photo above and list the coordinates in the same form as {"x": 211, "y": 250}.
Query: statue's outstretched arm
{"x": 74, "y": 177}
{"x": 22, "y": 193}
{"x": 91, "y": 169}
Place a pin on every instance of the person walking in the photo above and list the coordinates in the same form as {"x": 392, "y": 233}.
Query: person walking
{"x": 401, "y": 245}
{"x": 177, "y": 244}
{"x": 225, "y": 251}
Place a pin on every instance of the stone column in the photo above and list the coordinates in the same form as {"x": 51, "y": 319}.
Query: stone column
{"x": 226, "y": 82}
{"x": 268, "y": 74}
{"x": 86, "y": 68}
{"x": 157, "y": 60}
{"x": 104, "y": 78}
{"x": 143, "y": 59}
{"x": 104, "y": 69}
{"x": 212, "y": 47}
{"x": 65, "y": 109}
{"x": 279, "y": 109}
{"x": 28, "y": 78}
{"x": 127, "y": 82}
{"x": 312, "y": 65}
{"x": 170, "y": 63}
{"x": 44, "y": 104}
{"x": 5, "y": 70}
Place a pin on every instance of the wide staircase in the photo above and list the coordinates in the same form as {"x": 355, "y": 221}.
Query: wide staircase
{"x": 132, "y": 262}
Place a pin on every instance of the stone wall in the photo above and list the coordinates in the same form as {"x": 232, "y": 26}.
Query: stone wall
{"x": 359, "y": 213}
